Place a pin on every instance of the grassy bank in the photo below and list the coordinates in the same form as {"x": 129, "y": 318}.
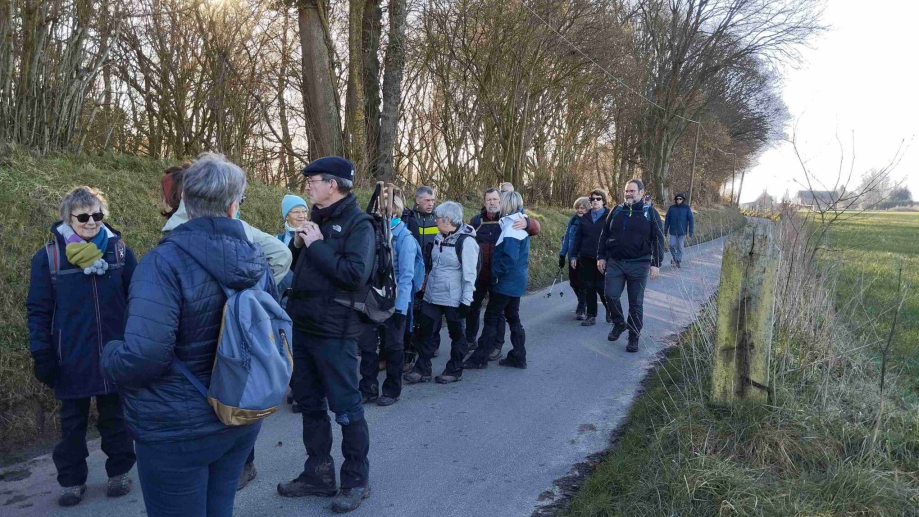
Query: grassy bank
{"x": 823, "y": 446}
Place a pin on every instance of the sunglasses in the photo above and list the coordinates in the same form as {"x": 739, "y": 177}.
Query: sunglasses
{"x": 242, "y": 200}
{"x": 596, "y": 199}
{"x": 679, "y": 199}
{"x": 84, "y": 218}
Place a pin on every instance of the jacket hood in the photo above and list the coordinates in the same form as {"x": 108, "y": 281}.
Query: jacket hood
{"x": 682, "y": 195}
{"x": 220, "y": 246}
{"x": 62, "y": 231}
{"x": 179, "y": 217}
{"x": 453, "y": 237}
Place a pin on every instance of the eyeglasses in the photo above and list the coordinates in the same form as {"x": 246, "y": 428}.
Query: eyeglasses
{"x": 311, "y": 181}
{"x": 84, "y": 218}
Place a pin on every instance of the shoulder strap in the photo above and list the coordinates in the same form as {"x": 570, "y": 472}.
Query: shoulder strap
{"x": 180, "y": 366}
{"x": 646, "y": 209}
{"x": 119, "y": 252}
{"x": 54, "y": 259}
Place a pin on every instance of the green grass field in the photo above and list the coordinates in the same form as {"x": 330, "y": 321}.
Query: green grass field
{"x": 870, "y": 248}
{"x": 821, "y": 447}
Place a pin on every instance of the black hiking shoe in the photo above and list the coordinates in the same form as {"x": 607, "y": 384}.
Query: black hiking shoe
{"x": 615, "y": 332}
{"x": 247, "y": 475}
{"x": 468, "y": 365}
{"x": 387, "y": 401}
{"x": 609, "y": 316}
{"x": 589, "y": 321}
{"x": 302, "y": 487}
{"x": 415, "y": 377}
{"x": 511, "y": 363}
{"x": 348, "y": 499}
{"x": 367, "y": 398}
{"x": 678, "y": 266}
{"x": 447, "y": 378}
{"x": 72, "y": 495}
{"x": 494, "y": 355}
{"x": 118, "y": 486}
{"x": 579, "y": 315}
{"x": 633, "y": 345}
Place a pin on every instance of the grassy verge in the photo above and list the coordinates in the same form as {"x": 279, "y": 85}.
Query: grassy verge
{"x": 822, "y": 447}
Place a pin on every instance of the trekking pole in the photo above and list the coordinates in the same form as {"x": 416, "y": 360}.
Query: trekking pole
{"x": 558, "y": 279}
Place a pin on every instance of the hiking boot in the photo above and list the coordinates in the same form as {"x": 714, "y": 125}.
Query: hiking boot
{"x": 494, "y": 355}
{"x": 512, "y": 363}
{"x": 447, "y": 379}
{"x": 366, "y": 397}
{"x": 589, "y": 321}
{"x": 387, "y": 401}
{"x": 615, "y": 332}
{"x": 302, "y": 487}
{"x": 580, "y": 315}
{"x": 678, "y": 264}
{"x": 633, "y": 344}
{"x": 72, "y": 495}
{"x": 415, "y": 377}
{"x": 609, "y": 316}
{"x": 467, "y": 365}
{"x": 247, "y": 475}
{"x": 348, "y": 499}
{"x": 407, "y": 367}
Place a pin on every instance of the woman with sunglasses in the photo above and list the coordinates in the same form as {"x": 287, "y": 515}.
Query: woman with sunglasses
{"x": 77, "y": 298}
{"x": 583, "y": 254}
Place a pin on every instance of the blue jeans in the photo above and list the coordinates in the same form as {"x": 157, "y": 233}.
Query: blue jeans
{"x": 676, "y": 247}
{"x": 194, "y": 478}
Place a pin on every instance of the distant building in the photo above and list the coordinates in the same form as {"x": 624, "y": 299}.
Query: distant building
{"x": 816, "y": 198}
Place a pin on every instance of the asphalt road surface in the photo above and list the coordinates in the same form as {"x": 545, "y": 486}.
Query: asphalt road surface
{"x": 491, "y": 445}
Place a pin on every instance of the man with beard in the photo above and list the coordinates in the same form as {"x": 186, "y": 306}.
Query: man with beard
{"x": 487, "y": 231}
{"x": 630, "y": 250}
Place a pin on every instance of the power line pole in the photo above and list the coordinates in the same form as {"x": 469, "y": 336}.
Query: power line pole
{"x": 733, "y": 175}
{"x": 692, "y": 177}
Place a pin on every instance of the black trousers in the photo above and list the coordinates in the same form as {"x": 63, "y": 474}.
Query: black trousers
{"x": 593, "y": 284}
{"x": 633, "y": 275}
{"x": 388, "y": 337}
{"x": 472, "y": 321}
{"x": 325, "y": 376}
{"x": 431, "y": 321}
{"x": 70, "y": 453}
{"x": 508, "y": 307}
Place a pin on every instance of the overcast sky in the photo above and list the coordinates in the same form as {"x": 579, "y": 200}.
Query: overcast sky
{"x": 860, "y": 79}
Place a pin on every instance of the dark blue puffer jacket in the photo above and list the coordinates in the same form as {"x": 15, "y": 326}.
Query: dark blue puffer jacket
{"x": 679, "y": 220}
{"x": 77, "y": 316}
{"x": 174, "y": 311}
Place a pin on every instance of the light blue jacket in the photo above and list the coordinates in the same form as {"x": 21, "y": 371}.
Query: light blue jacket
{"x": 405, "y": 248}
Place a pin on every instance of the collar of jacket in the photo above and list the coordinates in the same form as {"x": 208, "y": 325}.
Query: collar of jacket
{"x": 318, "y": 215}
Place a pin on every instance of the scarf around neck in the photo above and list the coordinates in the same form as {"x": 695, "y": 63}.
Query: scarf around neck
{"x": 87, "y": 255}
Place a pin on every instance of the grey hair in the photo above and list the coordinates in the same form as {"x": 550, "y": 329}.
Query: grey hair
{"x": 451, "y": 211}
{"x": 344, "y": 186}
{"x": 506, "y": 184}
{"x": 511, "y": 203}
{"x": 82, "y": 197}
{"x": 422, "y": 190}
{"x": 211, "y": 184}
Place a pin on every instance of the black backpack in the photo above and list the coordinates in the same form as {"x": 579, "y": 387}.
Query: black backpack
{"x": 459, "y": 252}
{"x": 380, "y": 303}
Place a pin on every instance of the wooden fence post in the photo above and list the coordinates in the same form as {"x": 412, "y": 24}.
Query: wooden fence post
{"x": 746, "y": 302}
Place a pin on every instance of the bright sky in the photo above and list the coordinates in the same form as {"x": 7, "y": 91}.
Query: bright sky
{"x": 862, "y": 77}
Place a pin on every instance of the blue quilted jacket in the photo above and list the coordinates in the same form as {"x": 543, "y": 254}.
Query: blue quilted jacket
{"x": 175, "y": 307}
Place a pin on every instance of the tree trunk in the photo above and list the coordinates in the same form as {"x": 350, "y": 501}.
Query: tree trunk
{"x": 287, "y": 158}
{"x": 392, "y": 87}
{"x": 354, "y": 103}
{"x": 323, "y": 122}
{"x": 370, "y": 40}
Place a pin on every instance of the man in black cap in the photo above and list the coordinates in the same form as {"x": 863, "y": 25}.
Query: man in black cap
{"x": 333, "y": 256}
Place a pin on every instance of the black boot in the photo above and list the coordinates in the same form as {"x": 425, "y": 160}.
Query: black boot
{"x": 349, "y": 499}
{"x": 318, "y": 476}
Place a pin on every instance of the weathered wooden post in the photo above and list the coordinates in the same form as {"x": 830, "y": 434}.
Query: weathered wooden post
{"x": 746, "y": 301}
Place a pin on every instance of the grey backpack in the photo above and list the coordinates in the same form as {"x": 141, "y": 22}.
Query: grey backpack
{"x": 253, "y": 364}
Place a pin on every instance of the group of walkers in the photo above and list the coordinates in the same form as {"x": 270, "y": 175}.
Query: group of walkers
{"x": 142, "y": 337}
{"x": 611, "y": 250}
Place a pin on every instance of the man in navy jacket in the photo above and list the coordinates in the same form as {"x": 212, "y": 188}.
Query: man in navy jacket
{"x": 678, "y": 223}
{"x": 630, "y": 249}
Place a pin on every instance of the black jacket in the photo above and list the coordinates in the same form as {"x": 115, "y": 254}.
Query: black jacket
{"x": 588, "y": 236}
{"x": 487, "y": 232}
{"x": 337, "y": 267}
{"x": 628, "y": 235}
{"x": 424, "y": 229}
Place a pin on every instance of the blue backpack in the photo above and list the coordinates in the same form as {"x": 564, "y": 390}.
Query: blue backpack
{"x": 253, "y": 364}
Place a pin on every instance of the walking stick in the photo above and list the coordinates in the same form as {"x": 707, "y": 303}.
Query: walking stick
{"x": 558, "y": 279}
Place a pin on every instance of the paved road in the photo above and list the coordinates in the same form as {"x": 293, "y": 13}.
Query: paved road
{"x": 489, "y": 445}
